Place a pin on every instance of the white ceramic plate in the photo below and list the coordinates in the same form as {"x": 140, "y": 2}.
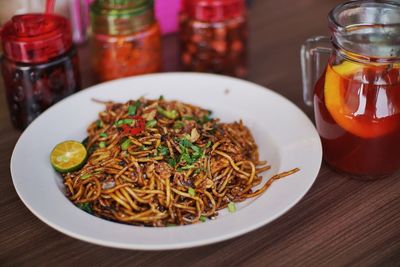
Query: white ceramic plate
{"x": 285, "y": 136}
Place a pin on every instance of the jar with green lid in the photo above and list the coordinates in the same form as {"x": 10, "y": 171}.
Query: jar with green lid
{"x": 126, "y": 38}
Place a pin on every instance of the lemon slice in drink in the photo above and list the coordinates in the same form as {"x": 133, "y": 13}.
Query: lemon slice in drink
{"x": 342, "y": 102}
{"x": 68, "y": 156}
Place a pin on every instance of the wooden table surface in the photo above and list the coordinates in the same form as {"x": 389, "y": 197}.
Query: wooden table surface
{"x": 340, "y": 222}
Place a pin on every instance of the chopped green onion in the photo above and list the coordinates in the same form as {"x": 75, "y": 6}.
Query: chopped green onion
{"x": 151, "y": 123}
{"x": 188, "y": 118}
{"x": 102, "y": 144}
{"x": 188, "y": 167}
{"x": 126, "y": 144}
{"x": 178, "y": 125}
{"x": 84, "y": 177}
{"x": 203, "y": 218}
{"x": 99, "y": 124}
{"x": 124, "y": 121}
{"x": 128, "y": 121}
{"x": 208, "y": 144}
{"x": 191, "y": 191}
{"x": 231, "y": 207}
{"x": 103, "y": 135}
{"x": 173, "y": 114}
{"x": 191, "y": 118}
{"x": 161, "y": 98}
{"x": 133, "y": 108}
{"x": 85, "y": 207}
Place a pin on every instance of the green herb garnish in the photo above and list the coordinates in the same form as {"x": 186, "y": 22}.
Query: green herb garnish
{"x": 184, "y": 142}
{"x": 126, "y": 144}
{"x": 231, "y": 207}
{"x": 203, "y": 218}
{"x": 103, "y": 135}
{"x": 186, "y": 156}
{"x": 85, "y": 207}
{"x": 171, "y": 162}
{"x": 151, "y": 123}
{"x": 172, "y": 114}
{"x": 191, "y": 191}
{"x": 102, "y": 144}
{"x": 205, "y": 119}
{"x": 162, "y": 150}
{"x": 191, "y": 118}
{"x": 188, "y": 167}
{"x": 178, "y": 125}
{"x": 128, "y": 121}
{"x": 99, "y": 124}
{"x": 84, "y": 177}
{"x": 85, "y": 142}
{"x": 133, "y": 108}
{"x": 124, "y": 121}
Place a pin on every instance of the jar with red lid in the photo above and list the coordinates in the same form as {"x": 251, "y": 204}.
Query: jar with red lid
{"x": 126, "y": 38}
{"x": 39, "y": 64}
{"x": 213, "y": 36}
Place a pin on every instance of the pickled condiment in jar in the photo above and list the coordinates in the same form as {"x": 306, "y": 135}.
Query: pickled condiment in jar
{"x": 126, "y": 38}
{"x": 39, "y": 64}
{"x": 213, "y": 36}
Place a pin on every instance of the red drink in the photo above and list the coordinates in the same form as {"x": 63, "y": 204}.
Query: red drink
{"x": 357, "y": 112}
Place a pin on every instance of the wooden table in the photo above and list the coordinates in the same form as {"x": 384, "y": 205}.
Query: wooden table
{"x": 340, "y": 222}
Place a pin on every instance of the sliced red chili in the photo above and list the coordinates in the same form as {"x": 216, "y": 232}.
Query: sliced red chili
{"x": 134, "y": 130}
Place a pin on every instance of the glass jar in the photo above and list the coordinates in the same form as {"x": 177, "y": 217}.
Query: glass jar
{"x": 357, "y": 98}
{"x": 126, "y": 38}
{"x": 39, "y": 65}
{"x": 213, "y": 36}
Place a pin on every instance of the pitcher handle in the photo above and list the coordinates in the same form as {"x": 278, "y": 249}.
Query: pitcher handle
{"x": 312, "y": 66}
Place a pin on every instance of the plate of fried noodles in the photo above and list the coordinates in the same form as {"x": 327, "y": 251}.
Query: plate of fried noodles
{"x": 170, "y": 161}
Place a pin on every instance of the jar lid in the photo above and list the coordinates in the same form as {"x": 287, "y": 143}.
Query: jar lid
{"x": 36, "y": 38}
{"x": 118, "y": 17}
{"x": 214, "y": 10}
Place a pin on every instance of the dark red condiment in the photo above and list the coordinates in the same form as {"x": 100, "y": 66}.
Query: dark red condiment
{"x": 39, "y": 66}
{"x": 213, "y": 36}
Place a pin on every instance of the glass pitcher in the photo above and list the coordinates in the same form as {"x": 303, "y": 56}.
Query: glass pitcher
{"x": 357, "y": 97}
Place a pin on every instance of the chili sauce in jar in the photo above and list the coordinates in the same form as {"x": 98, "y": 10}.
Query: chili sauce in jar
{"x": 213, "y": 36}
{"x": 39, "y": 64}
{"x": 126, "y": 38}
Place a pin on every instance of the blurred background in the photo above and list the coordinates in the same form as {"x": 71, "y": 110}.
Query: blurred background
{"x": 273, "y": 41}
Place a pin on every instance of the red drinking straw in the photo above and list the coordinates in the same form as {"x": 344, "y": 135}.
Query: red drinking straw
{"x": 50, "y": 6}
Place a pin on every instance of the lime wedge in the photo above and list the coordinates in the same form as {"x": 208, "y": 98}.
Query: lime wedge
{"x": 68, "y": 156}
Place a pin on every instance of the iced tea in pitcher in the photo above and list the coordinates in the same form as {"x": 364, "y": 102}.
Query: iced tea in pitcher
{"x": 357, "y": 99}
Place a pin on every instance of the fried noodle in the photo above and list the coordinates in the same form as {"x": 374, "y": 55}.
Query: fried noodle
{"x": 161, "y": 163}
